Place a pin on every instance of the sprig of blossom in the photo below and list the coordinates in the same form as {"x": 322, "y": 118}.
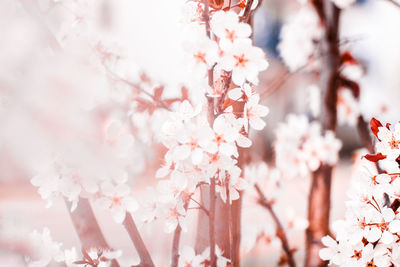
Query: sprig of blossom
{"x": 300, "y": 148}
{"x": 369, "y": 233}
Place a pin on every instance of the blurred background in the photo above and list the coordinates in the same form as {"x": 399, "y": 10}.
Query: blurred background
{"x": 53, "y": 103}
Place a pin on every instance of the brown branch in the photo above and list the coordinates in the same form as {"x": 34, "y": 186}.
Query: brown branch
{"x": 201, "y": 207}
{"x": 211, "y": 218}
{"x": 87, "y": 228}
{"x": 364, "y": 133}
{"x": 230, "y": 224}
{"x": 247, "y": 12}
{"x": 130, "y": 226}
{"x": 320, "y": 191}
{"x": 280, "y": 231}
{"x": 177, "y": 238}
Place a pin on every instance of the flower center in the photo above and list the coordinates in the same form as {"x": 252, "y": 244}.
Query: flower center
{"x": 230, "y": 35}
{"x": 394, "y": 144}
{"x": 200, "y": 57}
{"x": 241, "y": 60}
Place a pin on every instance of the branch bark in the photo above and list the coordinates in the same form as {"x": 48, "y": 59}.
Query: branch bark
{"x": 87, "y": 228}
{"x": 130, "y": 226}
{"x": 176, "y": 240}
{"x": 280, "y": 231}
{"x": 320, "y": 191}
{"x": 212, "y": 223}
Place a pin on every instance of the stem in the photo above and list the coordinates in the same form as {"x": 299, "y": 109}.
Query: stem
{"x": 280, "y": 231}
{"x": 130, "y": 226}
{"x": 87, "y": 227}
{"x": 176, "y": 240}
{"x": 212, "y": 223}
{"x": 230, "y": 224}
{"x": 247, "y": 11}
{"x": 201, "y": 206}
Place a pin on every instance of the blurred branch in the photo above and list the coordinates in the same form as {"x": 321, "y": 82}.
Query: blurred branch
{"x": 211, "y": 219}
{"x": 176, "y": 239}
{"x": 137, "y": 87}
{"x": 319, "y": 197}
{"x": 395, "y": 3}
{"x": 230, "y": 224}
{"x": 201, "y": 207}
{"x": 32, "y": 9}
{"x": 87, "y": 228}
{"x": 280, "y": 231}
{"x": 130, "y": 226}
{"x": 247, "y": 12}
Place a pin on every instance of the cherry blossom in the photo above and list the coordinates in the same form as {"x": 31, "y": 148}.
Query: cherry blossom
{"x": 228, "y": 29}
{"x": 300, "y": 147}
{"x": 253, "y": 112}
{"x": 244, "y": 61}
{"x": 298, "y": 37}
{"x": 117, "y": 199}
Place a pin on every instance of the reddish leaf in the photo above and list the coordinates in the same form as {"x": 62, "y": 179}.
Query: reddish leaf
{"x": 375, "y": 124}
{"x": 353, "y": 86}
{"x": 388, "y": 126}
{"x": 185, "y": 93}
{"x": 347, "y": 57}
{"x": 375, "y": 157}
{"x": 216, "y": 4}
{"x": 85, "y": 254}
{"x": 395, "y": 205}
{"x": 158, "y": 91}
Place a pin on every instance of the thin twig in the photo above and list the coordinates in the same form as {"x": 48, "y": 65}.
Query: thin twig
{"x": 247, "y": 12}
{"x": 280, "y": 232}
{"x": 116, "y": 77}
{"x": 201, "y": 207}
{"x": 144, "y": 255}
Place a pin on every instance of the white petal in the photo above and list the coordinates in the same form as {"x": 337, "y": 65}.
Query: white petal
{"x": 394, "y": 226}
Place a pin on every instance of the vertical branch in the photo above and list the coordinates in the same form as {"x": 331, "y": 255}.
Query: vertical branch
{"x": 130, "y": 226}
{"x": 364, "y": 133}
{"x": 212, "y": 223}
{"x": 230, "y": 224}
{"x": 87, "y": 228}
{"x": 320, "y": 191}
{"x": 176, "y": 239}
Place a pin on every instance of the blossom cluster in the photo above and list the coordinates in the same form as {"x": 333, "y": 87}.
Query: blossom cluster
{"x": 369, "y": 233}
{"x": 300, "y": 148}
{"x": 200, "y": 149}
{"x": 46, "y": 251}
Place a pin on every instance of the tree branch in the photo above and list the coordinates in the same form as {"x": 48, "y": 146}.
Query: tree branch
{"x": 247, "y": 11}
{"x": 130, "y": 226}
{"x": 230, "y": 224}
{"x": 211, "y": 219}
{"x": 87, "y": 228}
{"x": 280, "y": 231}
{"x": 176, "y": 240}
{"x": 320, "y": 191}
